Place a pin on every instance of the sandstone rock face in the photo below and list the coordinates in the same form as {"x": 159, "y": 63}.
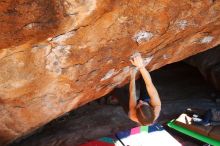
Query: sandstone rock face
{"x": 208, "y": 64}
{"x": 58, "y": 55}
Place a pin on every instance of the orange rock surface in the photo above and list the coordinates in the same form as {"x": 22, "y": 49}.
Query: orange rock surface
{"x": 58, "y": 55}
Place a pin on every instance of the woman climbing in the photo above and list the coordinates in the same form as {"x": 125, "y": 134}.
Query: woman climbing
{"x": 143, "y": 111}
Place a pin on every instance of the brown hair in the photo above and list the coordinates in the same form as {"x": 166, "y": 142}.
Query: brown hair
{"x": 145, "y": 114}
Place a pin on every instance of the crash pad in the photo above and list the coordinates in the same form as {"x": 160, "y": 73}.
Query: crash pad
{"x": 154, "y": 135}
{"x": 194, "y": 131}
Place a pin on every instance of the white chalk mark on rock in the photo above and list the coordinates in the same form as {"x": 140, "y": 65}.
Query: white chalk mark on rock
{"x": 56, "y": 58}
{"x": 35, "y": 48}
{"x": 63, "y": 37}
{"x": 142, "y": 36}
{"x": 206, "y": 39}
{"x": 147, "y": 60}
{"x": 182, "y": 24}
{"x": 31, "y": 25}
{"x": 109, "y": 74}
{"x": 62, "y": 50}
{"x": 47, "y": 50}
{"x": 135, "y": 54}
{"x": 118, "y": 79}
{"x": 166, "y": 56}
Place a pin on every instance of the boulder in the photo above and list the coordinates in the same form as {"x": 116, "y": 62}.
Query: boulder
{"x": 58, "y": 55}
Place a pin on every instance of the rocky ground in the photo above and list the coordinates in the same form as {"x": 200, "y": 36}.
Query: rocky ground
{"x": 179, "y": 85}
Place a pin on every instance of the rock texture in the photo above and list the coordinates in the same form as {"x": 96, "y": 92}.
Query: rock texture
{"x": 208, "y": 64}
{"x": 57, "y": 55}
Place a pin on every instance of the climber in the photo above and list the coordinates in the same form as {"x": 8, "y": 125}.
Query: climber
{"x": 143, "y": 111}
{"x": 140, "y": 107}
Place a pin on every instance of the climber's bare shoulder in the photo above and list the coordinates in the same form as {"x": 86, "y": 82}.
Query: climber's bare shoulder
{"x": 132, "y": 115}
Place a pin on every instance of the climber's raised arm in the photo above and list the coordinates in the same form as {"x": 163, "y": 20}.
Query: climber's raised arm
{"x": 132, "y": 94}
{"x": 152, "y": 91}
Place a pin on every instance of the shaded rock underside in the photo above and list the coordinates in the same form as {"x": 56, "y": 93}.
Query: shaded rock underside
{"x": 208, "y": 64}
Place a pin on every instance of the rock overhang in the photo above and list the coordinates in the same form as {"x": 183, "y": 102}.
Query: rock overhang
{"x": 56, "y": 56}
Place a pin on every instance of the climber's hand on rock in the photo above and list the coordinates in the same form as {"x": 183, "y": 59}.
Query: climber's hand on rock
{"x": 137, "y": 61}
